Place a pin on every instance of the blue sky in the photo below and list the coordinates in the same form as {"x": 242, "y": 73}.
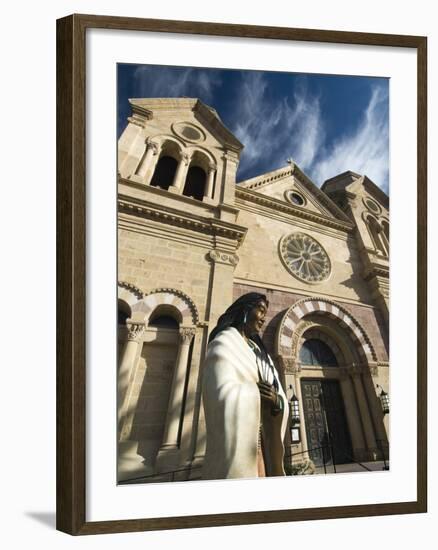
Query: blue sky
{"x": 326, "y": 123}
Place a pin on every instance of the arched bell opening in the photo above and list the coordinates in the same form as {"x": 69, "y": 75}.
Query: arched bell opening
{"x": 195, "y": 183}
{"x": 164, "y": 173}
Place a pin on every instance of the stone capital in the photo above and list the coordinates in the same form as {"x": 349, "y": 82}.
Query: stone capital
{"x": 289, "y": 364}
{"x": 184, "y": 158}
{"x": 186, "y": 334}
{"x": 223, "y": 257}
{"x": 135, "y": 330}
{"x": 153, "y": 145}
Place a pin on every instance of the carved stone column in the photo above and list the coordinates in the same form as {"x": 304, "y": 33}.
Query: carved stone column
{"x": 180, "y": 174}
{"x": 147, "y": 164}
{"x": 135, "y": 333}
{"x": 174, "y": 410}
{"x": 210, "y": 180}
{"x": 370, "y": 438}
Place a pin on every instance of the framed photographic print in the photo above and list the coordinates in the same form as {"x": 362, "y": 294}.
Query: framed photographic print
{"x": 232, "y": 318}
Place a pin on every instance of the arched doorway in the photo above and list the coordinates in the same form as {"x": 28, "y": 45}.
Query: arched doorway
{"x": 328, "y": 436}
{"x": 348, "y": 383}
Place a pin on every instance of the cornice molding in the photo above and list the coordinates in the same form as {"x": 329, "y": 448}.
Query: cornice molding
{"x": 172, "y": 216}
{"x": 265, "y": 179}
{"x": 281, "y": 206}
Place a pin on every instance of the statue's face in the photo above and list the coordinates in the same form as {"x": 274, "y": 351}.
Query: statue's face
{"x": 256, "y": 318}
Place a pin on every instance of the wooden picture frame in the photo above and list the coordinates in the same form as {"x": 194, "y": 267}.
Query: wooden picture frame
{"x": 71, "y": 273}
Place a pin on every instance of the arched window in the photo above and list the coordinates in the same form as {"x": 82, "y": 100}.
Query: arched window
{"x": 195, "y": 183}
{"x": 317, "y": 353}
{"x": 376, "y": 234}
{"x": 165, "y": 316}
{"x": 164, "y": 172}
{"x": 385, "y": 235}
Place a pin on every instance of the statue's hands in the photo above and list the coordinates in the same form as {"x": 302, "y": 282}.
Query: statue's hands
{"x": 268, "y": 393}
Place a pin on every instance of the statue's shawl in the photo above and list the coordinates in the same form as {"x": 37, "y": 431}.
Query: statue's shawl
{"x": 232, "y": 410}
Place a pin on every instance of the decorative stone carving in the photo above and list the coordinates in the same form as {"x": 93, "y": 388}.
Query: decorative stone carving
{"x": 184, "y": 158}
{"x": 132, "y": 288}
{"x": 135, "y": 330}
{"x": 153, "y": 145}
{"x": 374, "y": 370}
{"x": 223, "y": 257}
{"x": 186, "y": 334}
{"x": 289, "y": 364}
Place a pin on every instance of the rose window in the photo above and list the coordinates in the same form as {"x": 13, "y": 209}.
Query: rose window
{"x": 305, "y": 258}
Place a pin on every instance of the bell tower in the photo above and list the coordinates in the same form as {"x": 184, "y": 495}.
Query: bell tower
{"x": 368, "y": 206}
{"x": 181, "y": 146}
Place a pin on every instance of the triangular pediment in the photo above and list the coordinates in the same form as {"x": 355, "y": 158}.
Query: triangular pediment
{"x": 192, "y": 110}
{"x": 291, "y": 185}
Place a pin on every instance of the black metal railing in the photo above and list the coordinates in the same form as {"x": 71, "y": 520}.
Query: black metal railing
{"x": 330, "y": 448}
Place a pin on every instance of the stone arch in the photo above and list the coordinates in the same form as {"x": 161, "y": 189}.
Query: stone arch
{"x": 129, "y": 293}
{"x": 322, "y": 306}
{"x": 166, "y": 141}
{"x": 202, "y": 155}
{"x": 170, "y": 297}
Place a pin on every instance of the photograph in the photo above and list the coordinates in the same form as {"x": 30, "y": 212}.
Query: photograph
{"x": 252, "y": 274}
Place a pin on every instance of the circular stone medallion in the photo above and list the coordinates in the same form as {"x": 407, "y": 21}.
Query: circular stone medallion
{"x": 188, "y": 132}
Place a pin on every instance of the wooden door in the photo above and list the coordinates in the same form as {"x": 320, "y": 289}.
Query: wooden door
{"x": 327, "y": 432}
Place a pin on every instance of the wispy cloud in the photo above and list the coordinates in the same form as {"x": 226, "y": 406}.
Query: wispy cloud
{"x": 296, "y": 126}
{"x": 365, "y": 150}
{"x": 273, "y": 130}
{"x": 176, "y": 82}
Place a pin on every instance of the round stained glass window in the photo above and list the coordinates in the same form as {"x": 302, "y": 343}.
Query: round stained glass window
{"x": 305, "y": 258}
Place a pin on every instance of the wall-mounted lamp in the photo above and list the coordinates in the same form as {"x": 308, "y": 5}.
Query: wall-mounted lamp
{"x": 294, "y": 408}
{"x": 384, "y": 400}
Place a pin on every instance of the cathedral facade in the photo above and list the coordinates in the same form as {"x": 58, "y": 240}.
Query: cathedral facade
{"x": 191, "y": 240}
